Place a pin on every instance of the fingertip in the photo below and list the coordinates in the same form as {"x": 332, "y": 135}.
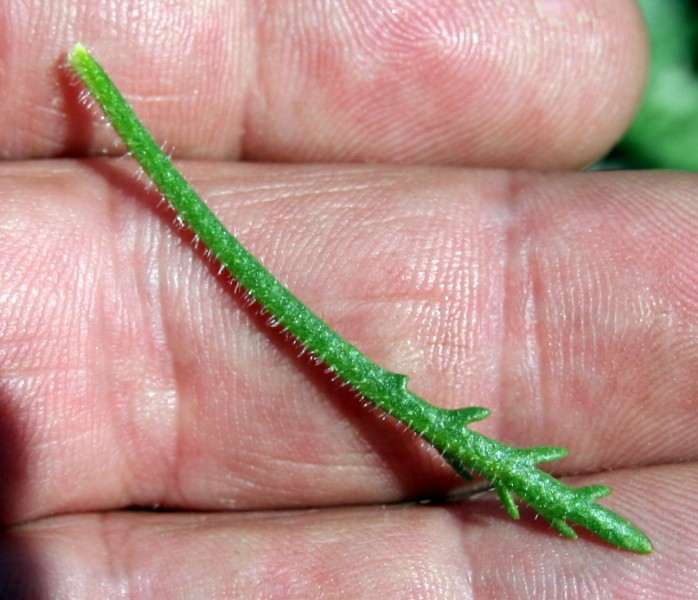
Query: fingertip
{"x": 533, "y": 86}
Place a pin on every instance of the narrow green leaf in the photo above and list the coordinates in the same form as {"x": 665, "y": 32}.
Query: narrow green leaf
{"x": 564, "y": 529}
{"x": 543, "y": 454}
{"x": 508, "y": 501}
{"x": 512, "y": 470}
{"x": 594, "y": 492}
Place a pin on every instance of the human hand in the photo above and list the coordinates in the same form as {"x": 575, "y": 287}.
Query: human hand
{"x": 504, "y": 288}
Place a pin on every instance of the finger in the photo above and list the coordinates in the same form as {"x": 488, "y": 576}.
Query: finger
{"x": 566, "y": 303}
{"x": 535, "y": 85}
{"x": 461, "y": 551}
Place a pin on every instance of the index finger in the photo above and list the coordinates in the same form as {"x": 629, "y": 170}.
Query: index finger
{"x": 567, "y": 303}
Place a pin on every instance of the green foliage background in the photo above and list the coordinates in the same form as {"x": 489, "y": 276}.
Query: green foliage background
{"x": 665, "y": 132}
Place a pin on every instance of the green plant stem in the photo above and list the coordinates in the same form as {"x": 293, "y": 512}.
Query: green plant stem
{"x": 511, "y": 470}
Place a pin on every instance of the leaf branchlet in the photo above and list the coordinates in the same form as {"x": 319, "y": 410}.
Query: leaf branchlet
{"x": 512, "y": 471}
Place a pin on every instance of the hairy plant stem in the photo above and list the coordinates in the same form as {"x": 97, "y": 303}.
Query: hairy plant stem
{"x": 511, "y": 470}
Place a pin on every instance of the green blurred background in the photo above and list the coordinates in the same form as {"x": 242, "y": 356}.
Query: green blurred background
{"x": 664, "y": 134}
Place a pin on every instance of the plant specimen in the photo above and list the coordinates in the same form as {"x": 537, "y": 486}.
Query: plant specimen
{"x": 511, "y": 471}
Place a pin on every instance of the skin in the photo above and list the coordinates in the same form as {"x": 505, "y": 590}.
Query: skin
{"x": 132, "y": 375}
